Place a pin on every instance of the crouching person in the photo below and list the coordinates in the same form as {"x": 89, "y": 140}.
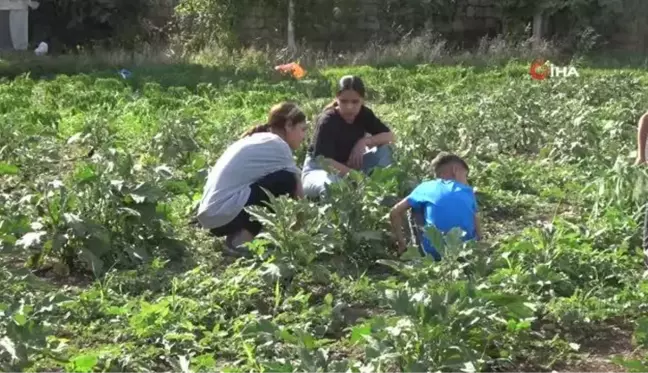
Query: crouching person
{"x": 446, "y": 202}
{"x": 262, "y": 159}
{"x": 348, "y": 136}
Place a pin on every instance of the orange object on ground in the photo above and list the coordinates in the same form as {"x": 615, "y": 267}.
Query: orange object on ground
{"x": 292, "y": 68}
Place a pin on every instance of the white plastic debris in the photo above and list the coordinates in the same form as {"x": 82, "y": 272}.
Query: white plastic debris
{"x": 42, "y": 49}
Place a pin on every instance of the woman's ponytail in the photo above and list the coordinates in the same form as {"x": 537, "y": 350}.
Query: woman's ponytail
{"x": 257, "y": 129}
{"x": 281, "y": 115}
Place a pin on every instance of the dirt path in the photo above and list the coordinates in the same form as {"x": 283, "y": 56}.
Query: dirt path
{"x": 598, "y": 350}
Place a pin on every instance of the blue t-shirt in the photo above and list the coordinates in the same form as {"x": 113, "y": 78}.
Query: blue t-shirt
{"x": 445, "y": 204}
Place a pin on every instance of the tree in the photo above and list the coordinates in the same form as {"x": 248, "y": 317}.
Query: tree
{"x": 291, "y": 26}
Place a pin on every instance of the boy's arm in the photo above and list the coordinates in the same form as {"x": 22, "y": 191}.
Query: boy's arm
{"x": 642, "y": 133}
{"x": 478, "y": 230}
{"x": 396, "y": 217}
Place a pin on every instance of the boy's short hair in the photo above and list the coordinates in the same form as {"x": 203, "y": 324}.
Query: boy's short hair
{"x": 443, "y": 159}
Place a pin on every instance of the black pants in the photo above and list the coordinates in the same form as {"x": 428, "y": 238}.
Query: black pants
{"x": 278, "y": 183}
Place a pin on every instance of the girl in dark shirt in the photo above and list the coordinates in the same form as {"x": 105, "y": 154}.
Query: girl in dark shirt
{"x": 348, "y": 136}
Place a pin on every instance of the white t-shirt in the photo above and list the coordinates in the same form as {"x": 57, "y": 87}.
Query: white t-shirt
{"x": 243, "y": 163}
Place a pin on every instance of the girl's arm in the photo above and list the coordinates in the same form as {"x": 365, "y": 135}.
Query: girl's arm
{"x": 380, "y": 139}
{"x": 642, "y": 133}
{"x": 380, "y": 132}
{"x": 342, "y": 168}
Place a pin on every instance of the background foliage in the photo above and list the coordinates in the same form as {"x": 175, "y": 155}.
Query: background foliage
{"x": 320, "y": 23}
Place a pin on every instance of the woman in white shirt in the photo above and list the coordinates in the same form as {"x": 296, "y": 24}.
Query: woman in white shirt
{"x": 262, "y": 158}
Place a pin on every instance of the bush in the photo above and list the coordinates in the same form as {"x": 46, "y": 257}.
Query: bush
{"x": 107, "y": 23}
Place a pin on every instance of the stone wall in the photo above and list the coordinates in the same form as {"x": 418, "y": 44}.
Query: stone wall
{"x": 353, "y": 23}
{"x": 262, "y": 25}
{"x": 477, "y": 14}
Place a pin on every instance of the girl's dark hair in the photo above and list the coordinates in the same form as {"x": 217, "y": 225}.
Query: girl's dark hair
{"x": 281, "y": 115}
{"x": 346, "y": 83}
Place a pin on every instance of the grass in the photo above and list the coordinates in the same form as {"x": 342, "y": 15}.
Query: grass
{"x": 103, "y": 272}
{"x": 411, "y": 51}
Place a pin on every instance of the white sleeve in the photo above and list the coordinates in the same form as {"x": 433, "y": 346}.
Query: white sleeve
{"x": 281, "y": 157}
{"x": 290, "y": 161}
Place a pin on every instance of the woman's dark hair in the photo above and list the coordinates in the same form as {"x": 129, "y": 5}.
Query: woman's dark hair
{"x": 348, "y": 83}
{"x": 281, "y": 115}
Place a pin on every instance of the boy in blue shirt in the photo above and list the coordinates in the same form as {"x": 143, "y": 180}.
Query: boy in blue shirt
{"x": 445, "y": 203}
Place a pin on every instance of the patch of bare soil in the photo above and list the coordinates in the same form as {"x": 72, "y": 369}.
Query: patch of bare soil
{"x": 79, "y": 280}
{"x": 593, "y": 363}
{"x": 47, "y": 272}
{"x": 600, "y": 346}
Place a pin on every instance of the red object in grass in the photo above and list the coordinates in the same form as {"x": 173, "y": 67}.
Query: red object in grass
{"x": 292, "y": 68}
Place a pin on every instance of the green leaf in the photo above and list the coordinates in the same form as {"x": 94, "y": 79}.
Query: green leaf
{"x": 641, "y": 332}
{"x": 359, "y": 332}
{"x": 85, "y": 174}
{"x": 137, "y": 253}
{"x": 8, "y": 169}
{"x": 74, "y": 222}
{"x": 205, "y": 362}
{"x": 84, "y": 363}
{"x": 20, "y": 319}
{"x": 307, "y": 340}
{"x": 633, "y": 365}
{"x": 95, "y": 263}
{"x": 412, "y": 253}
{"x": 328, "y": 299}
{"x": 436, "y": 238}
{"x": 145, "y": 192}
{"x": 287, "y": 336}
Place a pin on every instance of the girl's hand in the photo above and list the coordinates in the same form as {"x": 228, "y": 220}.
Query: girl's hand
{"x": 355, "y": 159}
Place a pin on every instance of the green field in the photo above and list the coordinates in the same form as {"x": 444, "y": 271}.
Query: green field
{"x": 102, "y": 270}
